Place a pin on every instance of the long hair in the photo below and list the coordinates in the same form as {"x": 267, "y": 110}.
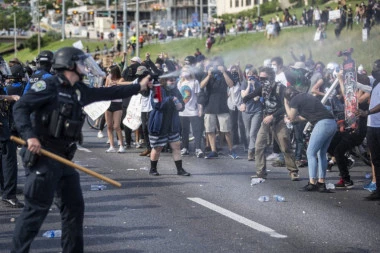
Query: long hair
{"x": 115, "y": 72}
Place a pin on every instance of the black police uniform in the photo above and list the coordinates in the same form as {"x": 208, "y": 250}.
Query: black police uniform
{"x": 40, "y": 74}
{"x": 8, "y": 157}
{"x": 58, "y": 122}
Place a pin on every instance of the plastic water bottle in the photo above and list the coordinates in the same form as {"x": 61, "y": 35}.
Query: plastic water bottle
{"x": 263, "y": 198}
{"x": 279, "y": 198}
{"x": 368, "y": 175}
{"x": 257, "y": 181}
{"x": 52, "y": 234}
{"x": 98, "y": 187}
{"x": 330, "y": 186}
{"x": 289, "y": 125}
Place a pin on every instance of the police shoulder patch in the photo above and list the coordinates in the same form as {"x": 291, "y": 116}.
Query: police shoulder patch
{"x": 39, "y": 86}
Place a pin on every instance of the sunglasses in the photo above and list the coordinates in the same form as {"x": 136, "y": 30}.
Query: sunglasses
{"x": 263, "y": 78}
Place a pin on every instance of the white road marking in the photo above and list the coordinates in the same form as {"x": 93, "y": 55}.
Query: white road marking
{"x": 83, "y": 149}
{"x": 238, "y": 218}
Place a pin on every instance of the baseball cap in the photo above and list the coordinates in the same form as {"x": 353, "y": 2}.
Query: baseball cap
{"x": 141, "y": 70}
{"x": 136, "y": 59}
{"x": 299, "y": 65}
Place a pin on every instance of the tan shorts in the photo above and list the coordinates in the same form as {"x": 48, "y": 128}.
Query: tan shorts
{"x": 211, "y": 121}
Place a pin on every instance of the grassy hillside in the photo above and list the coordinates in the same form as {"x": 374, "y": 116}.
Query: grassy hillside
{"x": 254, "y": 47}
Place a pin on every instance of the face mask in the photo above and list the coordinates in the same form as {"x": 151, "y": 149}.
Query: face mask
{"x": 235, "y": 75}
{"x": 170, "y": 85}
{"x": 185, "y": 74}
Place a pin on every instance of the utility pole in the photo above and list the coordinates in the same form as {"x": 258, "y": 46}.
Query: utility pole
{"x": 137, "y": 17}
{"x": 15, "y": 33}
{"x": 201, "y": 7}
{"x": 125, "y": 27}
{"x": 63, "y": 20}
{"x": 115, "y": 42}
{"x": 38, "y": 27}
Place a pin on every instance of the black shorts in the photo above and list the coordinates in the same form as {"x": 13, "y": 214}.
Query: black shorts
{"x": 115, "y": 106}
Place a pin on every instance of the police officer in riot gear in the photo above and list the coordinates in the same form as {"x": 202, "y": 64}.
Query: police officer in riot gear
{"x": 57, "y": 102}
{"x": 8, "y": 154}
{"x": 44, "y": 62}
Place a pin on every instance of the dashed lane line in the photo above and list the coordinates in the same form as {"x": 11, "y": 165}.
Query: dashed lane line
{"x": 238, "y": 218}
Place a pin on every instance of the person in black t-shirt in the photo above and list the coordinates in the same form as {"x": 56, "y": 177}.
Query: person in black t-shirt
{"x": 303, "y": 106}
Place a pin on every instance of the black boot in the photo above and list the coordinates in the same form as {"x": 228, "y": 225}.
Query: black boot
{"x": 182, "y": 172}
{"x": 153, "y": 172}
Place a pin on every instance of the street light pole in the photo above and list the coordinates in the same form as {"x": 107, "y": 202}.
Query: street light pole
{"x": 14, "y": 33}
{"x": 201, "y": 13}
{"x": 137, "y": 17}
{"x": 125, "y": 26}
{"x": 38, "y": 27}
{"x": 63, "y": 20}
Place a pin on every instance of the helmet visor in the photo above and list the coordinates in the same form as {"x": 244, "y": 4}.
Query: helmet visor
{"x": 86, "y": 65}
{"x": 4, "y": 69}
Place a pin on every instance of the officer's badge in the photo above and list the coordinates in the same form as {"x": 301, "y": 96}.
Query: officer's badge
{"x": 39, "y": 86}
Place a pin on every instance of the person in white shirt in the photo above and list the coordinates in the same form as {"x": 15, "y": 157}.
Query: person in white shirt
{"x": 189, "y": 88}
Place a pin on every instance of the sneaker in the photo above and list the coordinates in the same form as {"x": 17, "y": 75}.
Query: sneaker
{"x": 322, "y": 188}
{"x": 262, "y": 176}
{"x": 145, "y": 152}
{"x": 211, "y": 155}
{"x": 370, "y": 187}
{"x": 182, "y": 172}
{"x": 273, "y": 156}
{"x": 153, "y": 172}
{"x": 373, "y": 196}
{"x": 100, "y": 135}
{"x": 191, "y": 138}
{"x": 233, "y": 155}
{"x": 199, "y": 153}
{"x": 278, "y": 163}
{"x": 184, "y": 151}
{"x": 330, "y": 165}
{"x": 251, "y": 156}
{"x": 111, "y": 150}
{"x": 121, "y": 149}
{"x": 344, "y": 184}
{"x": 294, "y": 176}
{"x": 309, "y": 188}
{"x": 14, "y": 203}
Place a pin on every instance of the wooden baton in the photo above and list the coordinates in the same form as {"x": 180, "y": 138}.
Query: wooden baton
{"x": 69, "y": 163}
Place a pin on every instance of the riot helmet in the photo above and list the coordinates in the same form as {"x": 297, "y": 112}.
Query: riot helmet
{"x": 18, "y": 71}
{"x": 74, "y": 59}
{"x": 45, "y": 56}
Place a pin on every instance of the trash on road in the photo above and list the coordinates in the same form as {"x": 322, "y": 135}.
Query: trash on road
{"x": 330, "y": 186}
{"x": 257, "y": 181}
{"x": 52, "y": 234}
{"x": 98, "y": 187}
{"x": 368, "y": 175}
{"x": 263, "y": 198}
{"x": 279, "y": 198}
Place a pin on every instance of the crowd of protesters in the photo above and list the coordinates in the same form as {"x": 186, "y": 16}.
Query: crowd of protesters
{"x": 257, "y": 108}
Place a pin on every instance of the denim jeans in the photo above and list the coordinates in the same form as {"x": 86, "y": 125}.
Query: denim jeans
{"x": 252, "y": 124}
{"x": 238, "y": 128}
{"x": 373, "y": 141}
{"x": 320, "y": 139}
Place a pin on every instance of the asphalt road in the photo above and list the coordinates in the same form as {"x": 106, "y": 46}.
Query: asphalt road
{"x": 214, "y": 210}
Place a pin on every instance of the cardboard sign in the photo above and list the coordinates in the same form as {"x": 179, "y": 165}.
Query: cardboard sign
{"x": 95, "y": 110}
{"x": 364, "y": 35}
{"x": 133, "y": 117}
{"x": 335, "y": 14}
